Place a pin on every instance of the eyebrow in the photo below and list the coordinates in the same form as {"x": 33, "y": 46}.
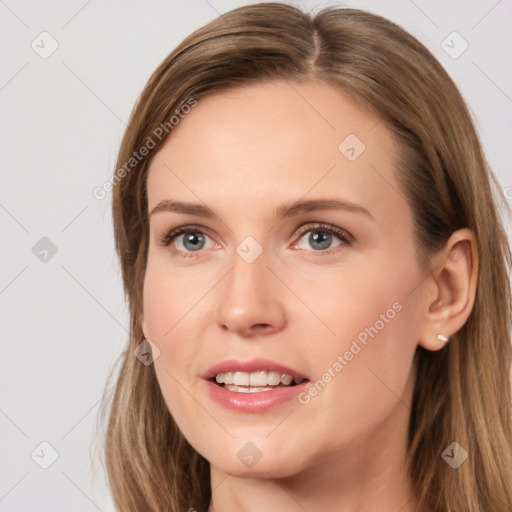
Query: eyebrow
{"x": 285, "y": 210}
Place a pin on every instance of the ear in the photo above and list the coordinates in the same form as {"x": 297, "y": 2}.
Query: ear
{"x": 451, "y": 290}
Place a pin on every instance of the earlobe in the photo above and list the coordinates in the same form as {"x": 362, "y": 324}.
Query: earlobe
{"x": 453, "y": 283}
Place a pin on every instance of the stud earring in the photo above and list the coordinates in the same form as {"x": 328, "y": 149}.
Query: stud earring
{"x": 443, "y": 338}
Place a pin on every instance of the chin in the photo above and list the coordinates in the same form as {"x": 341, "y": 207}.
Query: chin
{"x": 262, "y": 469}
{"x": 255, "y": 460}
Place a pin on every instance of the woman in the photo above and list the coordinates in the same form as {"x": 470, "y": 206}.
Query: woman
{"x": 317, "y": 278}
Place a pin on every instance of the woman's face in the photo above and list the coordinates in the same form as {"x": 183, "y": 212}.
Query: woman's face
{"x": 329, "y": 293}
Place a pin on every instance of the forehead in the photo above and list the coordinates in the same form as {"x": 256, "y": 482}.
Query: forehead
{"x": 275, "y": 142}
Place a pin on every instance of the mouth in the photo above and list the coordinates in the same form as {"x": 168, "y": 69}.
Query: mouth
{"x": 255, "y": 382}
{"x": 254, "y": 386}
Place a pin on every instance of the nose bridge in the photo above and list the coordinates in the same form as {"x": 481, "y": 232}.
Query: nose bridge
{"x": 248, "y": 298}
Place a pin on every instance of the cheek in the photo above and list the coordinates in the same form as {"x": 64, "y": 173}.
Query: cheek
{"x": 168, "y": 321}
{"x": 168, "y": 297}
{"x": 373, "y": 303}
{"x": 158, "y": 299}
{"x": 375, "y": 316}
{"x": 167, "y": 310}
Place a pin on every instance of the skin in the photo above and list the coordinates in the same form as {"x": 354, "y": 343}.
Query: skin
{"x": 243, "y": 153}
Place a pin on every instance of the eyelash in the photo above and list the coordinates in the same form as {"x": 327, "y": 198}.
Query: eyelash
{"x": 345, "y": 238}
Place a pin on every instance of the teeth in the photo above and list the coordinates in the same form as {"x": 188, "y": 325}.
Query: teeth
{"x": 286, "y": 379}
{"x": 246, "y": 389}
{"x": 260, "y": 379}
{"x": 273, "y": 378}
{"x": 241, "y": 379}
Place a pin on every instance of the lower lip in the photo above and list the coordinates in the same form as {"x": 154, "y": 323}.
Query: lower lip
{"x": 253, "y": 402}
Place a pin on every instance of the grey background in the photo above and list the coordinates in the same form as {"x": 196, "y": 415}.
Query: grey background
{"x": 64, "y": 320}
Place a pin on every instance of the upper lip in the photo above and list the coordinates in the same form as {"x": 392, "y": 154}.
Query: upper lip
{"x": 233, "y": 365}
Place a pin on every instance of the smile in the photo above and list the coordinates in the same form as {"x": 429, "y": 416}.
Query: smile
{"x": 256, "y": 382}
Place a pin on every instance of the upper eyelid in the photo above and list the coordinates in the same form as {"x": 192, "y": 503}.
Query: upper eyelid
{"x": 303, "y": 227}
{"x": 310, "y": 226}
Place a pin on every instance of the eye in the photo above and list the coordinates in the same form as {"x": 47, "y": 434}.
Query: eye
{"x": 320, "y": 237}
{"x": 193, "y": 239}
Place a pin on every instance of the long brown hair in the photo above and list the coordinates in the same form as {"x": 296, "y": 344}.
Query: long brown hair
{"x": 462, "y": 392}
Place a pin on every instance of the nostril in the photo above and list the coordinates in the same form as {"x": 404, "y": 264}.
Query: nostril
{"x": 262, "y": 328}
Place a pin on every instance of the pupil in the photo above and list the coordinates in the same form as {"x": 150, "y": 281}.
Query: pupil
{"x": 322, "y": 238}
{"x": 193, "y": 239}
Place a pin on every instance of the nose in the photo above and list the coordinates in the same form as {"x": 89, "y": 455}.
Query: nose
{"x": 250, "y": 300}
